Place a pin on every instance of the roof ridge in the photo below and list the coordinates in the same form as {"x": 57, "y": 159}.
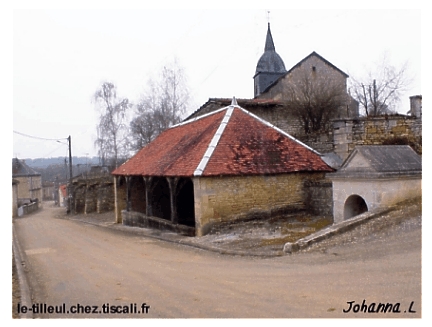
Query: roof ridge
{"x": 199, "y": 117}
{"x": 265, "y": 122}
{"x": 214, "y": 141}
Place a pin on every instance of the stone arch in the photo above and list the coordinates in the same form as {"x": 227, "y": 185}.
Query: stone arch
{"x": 354, "y": 205}
{"x": 160, "y": 199}
{"x": 185, "y": 202}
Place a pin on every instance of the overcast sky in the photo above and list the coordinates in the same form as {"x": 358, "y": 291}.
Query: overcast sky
{"x": 61, "y": 57}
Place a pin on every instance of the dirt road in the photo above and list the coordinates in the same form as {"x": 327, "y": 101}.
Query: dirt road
{"x": 84, "y": 265}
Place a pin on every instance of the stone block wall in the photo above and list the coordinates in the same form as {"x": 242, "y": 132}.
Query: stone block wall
{"x": 221, "y": 199}
{"x": 94, "y": 195}
{"x": 105, "y": 197}
{"x": 349, "y": 133}
{"x": 319, "y": 197}
{"x": 91, "y": 198}
{"x": 137, "y": 219}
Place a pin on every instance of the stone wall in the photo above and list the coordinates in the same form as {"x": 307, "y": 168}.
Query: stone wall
{"x": 221, "y": 199}
{"x": 93, "y": 195}
{"x": 319, "y": 197}
{"x": 105, "y": 197}
{"x": 137, "y": 219}
{"x": 349, "y": 133}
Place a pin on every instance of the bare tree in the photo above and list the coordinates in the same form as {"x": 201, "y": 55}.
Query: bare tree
{"x": 380, "y": 90}
{"x": 315, "y": 101}
{"x": 162, "y": 105}
{"x": 112, "y": 127}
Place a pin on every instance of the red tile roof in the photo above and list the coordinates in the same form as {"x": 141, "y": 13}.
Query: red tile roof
{"x": 230, "y": 141}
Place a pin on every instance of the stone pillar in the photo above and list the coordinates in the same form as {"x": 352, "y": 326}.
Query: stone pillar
{"x": 416, "y": 106}
{"x": 342, "y": 137}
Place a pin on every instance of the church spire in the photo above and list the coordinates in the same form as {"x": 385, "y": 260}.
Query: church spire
{"x": 269, "y": 68}
{"x": 269, "y": 45}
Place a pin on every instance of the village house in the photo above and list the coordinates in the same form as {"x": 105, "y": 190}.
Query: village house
{"x": 28, "y": 184}
{"x": 29, "y": 181}
{"x": 222, "y": 166}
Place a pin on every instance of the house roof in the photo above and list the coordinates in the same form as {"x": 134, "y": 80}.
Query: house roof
{"x": 381, "y": 160}
{"x": 299, "y": 64}
{"x": 20, "y": 169}
{"x": 229, "y": 141}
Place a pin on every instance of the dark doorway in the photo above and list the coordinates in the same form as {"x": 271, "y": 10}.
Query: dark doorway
{"x": 160, "y": 199}
{"x": 354, "y": 205}
{"x": 137, "y": 194}
{"x": 186, "y": 203}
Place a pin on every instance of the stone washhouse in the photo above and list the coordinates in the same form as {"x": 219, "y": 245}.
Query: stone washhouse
{"x": 375, "y": 177}
{"x": 222, "y": 166}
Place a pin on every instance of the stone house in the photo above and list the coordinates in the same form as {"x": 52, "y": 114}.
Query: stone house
{"x": 222, "y": 166}
{"x": 375, "y": 176}
{"x": 30, "y": 181}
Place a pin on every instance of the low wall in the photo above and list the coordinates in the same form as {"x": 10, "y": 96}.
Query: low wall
{"x": 28, "y": 208}
{"x": 137, "y": 219}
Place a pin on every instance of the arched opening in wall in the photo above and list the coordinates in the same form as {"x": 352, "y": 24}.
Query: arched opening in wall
{"x": 137, "y": 194}
{"x": 354, "y": 205}
{"x": 160, "y": 199}
{"x": 186, "y": 202}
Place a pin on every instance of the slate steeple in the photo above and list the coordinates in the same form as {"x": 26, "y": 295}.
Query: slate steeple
{"x": 270, "y": 66}
{"x": 269, "y": 45}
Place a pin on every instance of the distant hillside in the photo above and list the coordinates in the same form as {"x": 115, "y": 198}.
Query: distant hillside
{"x": 45, "y": 162}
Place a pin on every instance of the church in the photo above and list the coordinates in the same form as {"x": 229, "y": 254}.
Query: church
{"x": 275, "y": 87}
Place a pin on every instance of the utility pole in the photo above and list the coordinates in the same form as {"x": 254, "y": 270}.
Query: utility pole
{"x": 70, "y": 193}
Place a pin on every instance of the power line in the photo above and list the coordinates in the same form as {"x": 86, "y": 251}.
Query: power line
{"x": 39, "y": 138}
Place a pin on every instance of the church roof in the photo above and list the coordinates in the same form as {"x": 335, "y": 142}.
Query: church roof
{"x": 270, "y": 61}
{"x": 230, "y": 141}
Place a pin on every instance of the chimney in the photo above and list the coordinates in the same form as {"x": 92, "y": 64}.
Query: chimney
{"x": 415, "y": 106}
